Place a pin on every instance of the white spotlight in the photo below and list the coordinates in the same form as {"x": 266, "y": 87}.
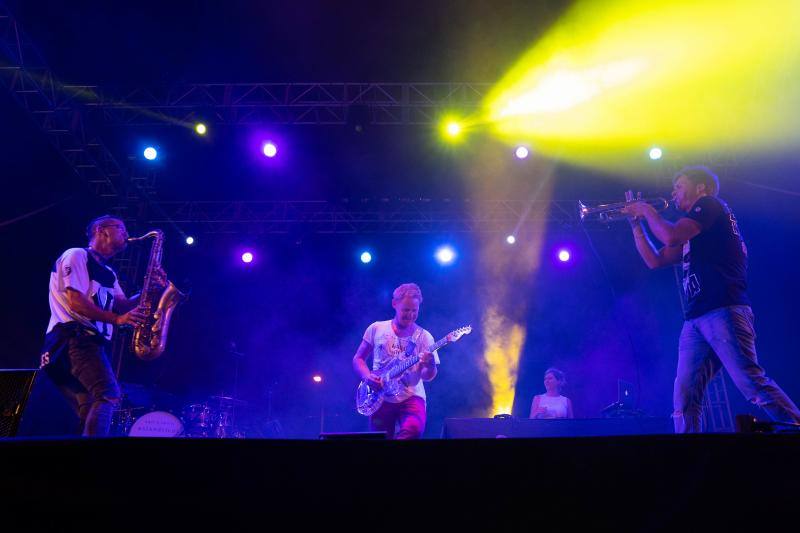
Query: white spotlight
{"x": 656, "y": 153}
{"x": 150, "y": 153}
{"x": 269, "y": 149}
{"x": 511, "y": 239}
{"x": 445, "y": 255}
{"x": 521, "y": 152}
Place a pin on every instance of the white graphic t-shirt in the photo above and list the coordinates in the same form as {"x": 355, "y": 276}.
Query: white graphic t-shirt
{"x": 386, "y": 345}
{"x": 78, "y": 270}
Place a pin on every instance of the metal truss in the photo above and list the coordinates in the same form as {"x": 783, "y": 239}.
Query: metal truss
{"x": 362, "y": 216}
{"x": 56, "y": 110}
{"x": 287, "y": 103}
{"x": 717, "y": 417}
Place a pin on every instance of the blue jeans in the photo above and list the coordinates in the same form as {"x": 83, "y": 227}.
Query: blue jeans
{"x": 724, "y": 337}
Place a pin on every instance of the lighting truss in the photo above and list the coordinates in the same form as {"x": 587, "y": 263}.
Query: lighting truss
{"x": 286, "y": 103}
{"x": 55, "y": 109}
{"x": 417, "y": 215}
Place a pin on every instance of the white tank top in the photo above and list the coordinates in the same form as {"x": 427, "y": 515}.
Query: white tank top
{"x": 556, "y": 406}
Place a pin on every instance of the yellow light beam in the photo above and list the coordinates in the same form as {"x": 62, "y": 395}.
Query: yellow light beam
{"x": 621, "y": 75}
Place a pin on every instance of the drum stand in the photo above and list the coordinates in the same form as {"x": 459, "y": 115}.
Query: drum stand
{"x": 272, "y": 428}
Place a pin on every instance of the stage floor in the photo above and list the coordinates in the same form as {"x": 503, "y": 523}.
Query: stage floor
{"x": 640, "y": 483}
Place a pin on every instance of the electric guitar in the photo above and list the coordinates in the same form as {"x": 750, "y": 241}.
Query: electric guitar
{"x": 369, "y": 400}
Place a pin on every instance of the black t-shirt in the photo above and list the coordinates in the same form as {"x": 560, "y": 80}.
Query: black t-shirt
{"x": 714, "y": 261}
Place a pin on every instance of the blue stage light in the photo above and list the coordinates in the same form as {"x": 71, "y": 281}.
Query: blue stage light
{"x": 445, "y": 255}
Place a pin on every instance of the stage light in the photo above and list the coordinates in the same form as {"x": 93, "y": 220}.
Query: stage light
{"x": 610, "y": 77}
{"x": 150, "y": 153}
{"x": 445, "y": 255}
{"x": 190, "y": 240}
{"x": 563, "y": 255}
{"x": 269, "y": 149}
{"x": 511, "y": 239}
{"x": 200, "y": 128}
{"x": 521, "y": 152}
{"x": 366, "y": 257}
{"x": 317, "y": 378}
{"x": 656, "y": 153}
{"x": 247, "y": 257}
{"x": 451, "y": 128}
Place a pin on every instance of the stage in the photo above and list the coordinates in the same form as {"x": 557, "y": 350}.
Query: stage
{"x": 636, "y": 483}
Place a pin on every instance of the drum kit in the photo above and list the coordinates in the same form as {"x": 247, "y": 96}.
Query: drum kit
{"x": 212, "y": 419}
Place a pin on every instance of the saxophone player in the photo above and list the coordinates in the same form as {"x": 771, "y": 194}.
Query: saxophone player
{"x": 86, "y": 302}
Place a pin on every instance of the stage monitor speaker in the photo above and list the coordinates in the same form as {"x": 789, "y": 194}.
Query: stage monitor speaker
{"x": 492, "y": 428}
{"x": 358, "y": 435}
{"x": 15, "y": 387}
{"x": 47, "y": 412}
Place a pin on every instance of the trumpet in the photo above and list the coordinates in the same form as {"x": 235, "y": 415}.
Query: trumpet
{"x": 613, "y": 212}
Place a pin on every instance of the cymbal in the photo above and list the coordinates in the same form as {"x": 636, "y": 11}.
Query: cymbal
{"x": 228, "y": 399}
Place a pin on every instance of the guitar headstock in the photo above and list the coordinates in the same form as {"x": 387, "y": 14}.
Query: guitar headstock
{"x": 456, "y": 334}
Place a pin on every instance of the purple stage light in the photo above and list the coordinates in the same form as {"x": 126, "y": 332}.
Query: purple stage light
{"x": 317, "y": 378}
{"x": 269, "y": 149}
{"x": 564, "y": 255}
{"x": 247, "y": 257}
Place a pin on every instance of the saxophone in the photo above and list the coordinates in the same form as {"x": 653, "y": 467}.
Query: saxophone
{"x": 150, "y": 338}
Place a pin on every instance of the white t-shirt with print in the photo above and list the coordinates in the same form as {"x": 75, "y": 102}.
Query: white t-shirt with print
{"x": 387, "y": 345}
{"x": 78, "y": 270}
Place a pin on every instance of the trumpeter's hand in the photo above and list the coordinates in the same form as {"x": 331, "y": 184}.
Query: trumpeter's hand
{"x": 639, "y": 210}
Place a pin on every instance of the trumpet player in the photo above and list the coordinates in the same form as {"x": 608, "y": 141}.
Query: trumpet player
{"x": 718, "y": 329}
{"x": 86, "y": 302}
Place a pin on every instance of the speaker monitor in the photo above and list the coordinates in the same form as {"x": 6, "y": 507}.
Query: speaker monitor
{"x": 45, "y": 413}
{"x": 15, "y": 387}
{"x": 358, "y": 435}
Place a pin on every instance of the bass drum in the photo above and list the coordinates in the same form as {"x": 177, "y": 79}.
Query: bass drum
{"x": 157, "y": 424}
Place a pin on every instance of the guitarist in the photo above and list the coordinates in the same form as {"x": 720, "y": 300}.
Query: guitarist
{"x": 401, "y": 416}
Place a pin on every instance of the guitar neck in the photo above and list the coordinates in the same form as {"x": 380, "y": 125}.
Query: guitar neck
{"x": 414, "y": 359}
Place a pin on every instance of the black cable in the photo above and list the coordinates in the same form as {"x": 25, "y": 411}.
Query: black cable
{"x": 626, "y": 329}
